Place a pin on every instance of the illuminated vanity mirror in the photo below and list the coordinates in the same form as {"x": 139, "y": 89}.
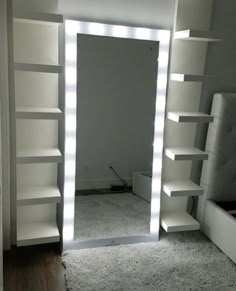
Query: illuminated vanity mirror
{"x": 116, "y": 80}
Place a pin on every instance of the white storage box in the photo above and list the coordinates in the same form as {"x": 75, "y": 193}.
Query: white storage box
{"x": 142, "y": 185}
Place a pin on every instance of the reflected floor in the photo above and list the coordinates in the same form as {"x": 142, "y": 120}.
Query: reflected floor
{"x": 110, "y": 215}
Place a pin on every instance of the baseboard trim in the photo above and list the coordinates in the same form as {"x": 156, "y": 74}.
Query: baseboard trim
{"x": 84, "y": 184}
{"x": 103, "y": 191}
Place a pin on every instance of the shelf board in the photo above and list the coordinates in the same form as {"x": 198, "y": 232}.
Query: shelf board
{"x": 189, "y": 77}
{"x": 198, "y": 35}
{"x": 40, "y": 68}
{"x": 189, "y": 117}
{"x": 32, "y": 195}
{"x": 38, "y": 18}
{"x": 181, "y": 189}
{"x": 38, "y": 113}
{"x": 182, "y": 154}
{"x": 178, "y": 221}
{"x": 37, "y": 233}
{"x": 51, "y": 155}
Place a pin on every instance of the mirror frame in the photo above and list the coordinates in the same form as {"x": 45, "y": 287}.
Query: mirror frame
{"x": 72, "y": 29}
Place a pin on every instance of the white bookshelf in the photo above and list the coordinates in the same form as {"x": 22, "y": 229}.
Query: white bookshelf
{"x": 32, "y": 195}
{"x": 38, "y": 18}
{"x": 183, "y": 154}
{"x": 181, "y": 188}
{"x": 188, "y": 57}
{"x": 40, "y": 68}
{"x": 178, "y": 221}
{"x": 180, "y": 77}
{"x": 38, "y": 113}
{"x": 198, "y": 35}
{"x": 37, "y": 233}
{"x": 190, "y": 117}
{"x": 36, "y": 205}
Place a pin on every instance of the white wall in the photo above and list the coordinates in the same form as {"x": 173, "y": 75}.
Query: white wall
{"x": 2, "y": 91}
{"x": 5, "y": 139}
{"x": 221, "y": 58}
{"x": 221, "y": 62}
{"x": 44, "y": 6}
{"x": 150, "y": 13}
{"x": 116, "y": 107}
{"x": 1, "y": 216}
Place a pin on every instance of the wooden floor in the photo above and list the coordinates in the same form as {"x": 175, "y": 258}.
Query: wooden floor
{"x": 35, "y": 268}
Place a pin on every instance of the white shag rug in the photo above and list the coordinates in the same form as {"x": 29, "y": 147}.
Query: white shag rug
{"x": 110, "y": 215}
{"x": 179, "y": 261}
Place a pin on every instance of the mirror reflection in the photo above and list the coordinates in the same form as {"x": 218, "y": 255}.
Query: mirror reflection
{"x": 115, "y": 131}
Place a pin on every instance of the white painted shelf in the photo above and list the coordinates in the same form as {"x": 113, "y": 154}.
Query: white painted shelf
{"x": 39, "y": 156}
{"x": 37, "y": 209}
{"x": 190, "y": 117}
{"x": 178, "y": 221}
{"x": 198, "y": 35}
{"x": 39, "y": 18}
{"x": 40, "y": 68}
{"x": 37, "y": 233}
{"x": 31, "y": 195}
{"x": 182, "y": 154}
{"x": 38, "y": 113}
{"x": 181, "y": 189}
{"x": 189, "y": 77}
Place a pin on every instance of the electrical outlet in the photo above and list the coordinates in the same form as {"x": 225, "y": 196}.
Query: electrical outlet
{"x": 109, "y": 165}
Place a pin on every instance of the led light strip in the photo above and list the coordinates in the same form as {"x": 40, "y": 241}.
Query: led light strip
{"x": 72, "y": 28}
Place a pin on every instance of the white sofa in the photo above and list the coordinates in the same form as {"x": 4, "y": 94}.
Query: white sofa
{"x": 218, "y": 177}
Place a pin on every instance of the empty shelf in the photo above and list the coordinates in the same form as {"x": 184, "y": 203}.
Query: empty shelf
{"x": 189, "y": 117}
{"x": 198, "y": 35}
{"x": 178, "y": 221}
{"x": 189, "y": 77}
{"x": 31, "y": 195}
{"x": 38, "y": 113}
{"x": 181, "y": 188}
{"x": 37, "y": 233}
{"x": 39, "y": 18}
{"x": 27, "y": 67}
{"x": 182, "y": 154}
{"x": 39, "y": 156}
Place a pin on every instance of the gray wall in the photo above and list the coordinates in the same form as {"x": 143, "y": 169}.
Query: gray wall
{"x": 221, "y": 62}
{"x": 116, "y": 108}
{"x": 221, "y": 57}
{"x": 5, "y": 141}
{"x": 151, "y": 13}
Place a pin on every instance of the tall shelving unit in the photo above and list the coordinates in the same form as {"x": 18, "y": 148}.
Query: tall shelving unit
{"x": 37, "y": 115}
{"x": 190, "y": 38}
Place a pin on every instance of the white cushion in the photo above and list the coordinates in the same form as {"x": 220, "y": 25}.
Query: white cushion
{"x": 219, "y": 172}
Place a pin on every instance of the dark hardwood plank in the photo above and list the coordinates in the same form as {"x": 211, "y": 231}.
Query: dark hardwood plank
{"x": 34, "y": 268}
